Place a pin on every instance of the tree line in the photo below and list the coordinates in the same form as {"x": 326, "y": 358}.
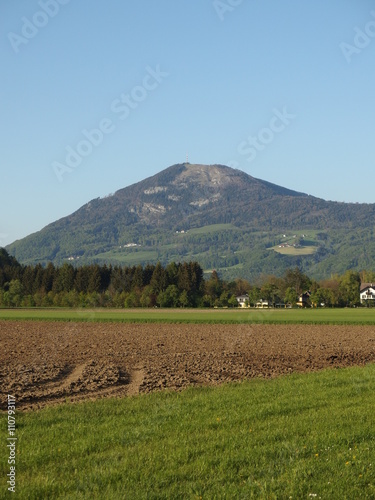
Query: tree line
{"x": 173, "y": 285}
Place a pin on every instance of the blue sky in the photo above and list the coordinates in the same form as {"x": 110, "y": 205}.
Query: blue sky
{"x": 265, "y": 86}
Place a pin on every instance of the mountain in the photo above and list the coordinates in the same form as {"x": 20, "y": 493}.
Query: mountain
{"x": 222, "y": 217}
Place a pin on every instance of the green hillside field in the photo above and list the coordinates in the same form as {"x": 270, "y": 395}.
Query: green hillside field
{"x": 297, "y": 436}
{"x": 308, "y": 250}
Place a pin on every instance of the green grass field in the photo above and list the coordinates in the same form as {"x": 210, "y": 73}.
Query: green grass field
{"x": 298, "y": 436}
{"x": 129, "y": 257}
{"x": 213, "y": 228}
{"x": 309, "y": 243}
{"x": 308, "y": 250}
{"x": 354, "y": 316}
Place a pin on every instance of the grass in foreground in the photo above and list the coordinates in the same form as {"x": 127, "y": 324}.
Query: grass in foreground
{"x": 354, "y": 316}
{"x": 300, "y": 436}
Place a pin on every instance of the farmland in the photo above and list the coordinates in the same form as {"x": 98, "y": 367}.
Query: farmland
{"x": 46, "y": 362}
{"x": 190, "y": 403}
{"x": 277, "y": 434}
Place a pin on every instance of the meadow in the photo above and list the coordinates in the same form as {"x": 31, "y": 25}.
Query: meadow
{"x": 296, "y": 436}
{"x": 305, "y": 250}
{"x": 344, "y": 316}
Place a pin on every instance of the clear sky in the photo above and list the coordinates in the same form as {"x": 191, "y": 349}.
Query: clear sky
{"x": 96, "y": 95}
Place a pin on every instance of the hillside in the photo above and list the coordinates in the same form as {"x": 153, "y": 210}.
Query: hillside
{"x": 222, "y": 217}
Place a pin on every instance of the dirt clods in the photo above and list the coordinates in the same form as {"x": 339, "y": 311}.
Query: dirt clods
{"x": 45, "y": 363}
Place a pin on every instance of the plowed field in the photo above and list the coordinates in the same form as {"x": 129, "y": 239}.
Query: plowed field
{"x": 45, "y": 363}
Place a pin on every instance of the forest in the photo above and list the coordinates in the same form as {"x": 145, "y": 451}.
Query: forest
{"x": 154, "y": 285}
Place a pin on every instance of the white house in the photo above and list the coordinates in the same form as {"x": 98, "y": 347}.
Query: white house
{"x": 243, "y": 300}
{"x": 367, "y": 292}
{"x": 262, "y": 304}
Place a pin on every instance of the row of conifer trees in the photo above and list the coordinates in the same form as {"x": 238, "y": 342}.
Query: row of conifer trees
{"x": 154, "y": 285}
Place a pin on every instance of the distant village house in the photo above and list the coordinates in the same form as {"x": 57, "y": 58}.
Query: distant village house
{"x": 304, "y": 299}
{"x": 367, "y": 293}
{"x": 243, "y": 300}
{"x": 263, "y": 304}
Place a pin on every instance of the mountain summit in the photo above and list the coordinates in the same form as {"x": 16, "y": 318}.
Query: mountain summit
{"x": 184, "y": 193}
{"x": 219, "y": 210}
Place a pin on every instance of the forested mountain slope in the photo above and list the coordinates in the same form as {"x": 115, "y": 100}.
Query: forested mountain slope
{"x": 222, "y": 217}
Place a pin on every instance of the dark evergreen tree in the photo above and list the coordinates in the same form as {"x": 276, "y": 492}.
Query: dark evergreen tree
{"x": 158, "y": 281}
{"x": 94, "y": 281}
{"x": 49, "y": 276}
{"x": 138, "y": 277}
{"x": 28, "y": 280}
{"x": 147, "y": 274}
{"x": 64, "y": 280}
{"x": 81, "y": 281}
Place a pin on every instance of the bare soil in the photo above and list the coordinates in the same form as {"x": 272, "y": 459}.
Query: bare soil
{"x": 43, "y": 363}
